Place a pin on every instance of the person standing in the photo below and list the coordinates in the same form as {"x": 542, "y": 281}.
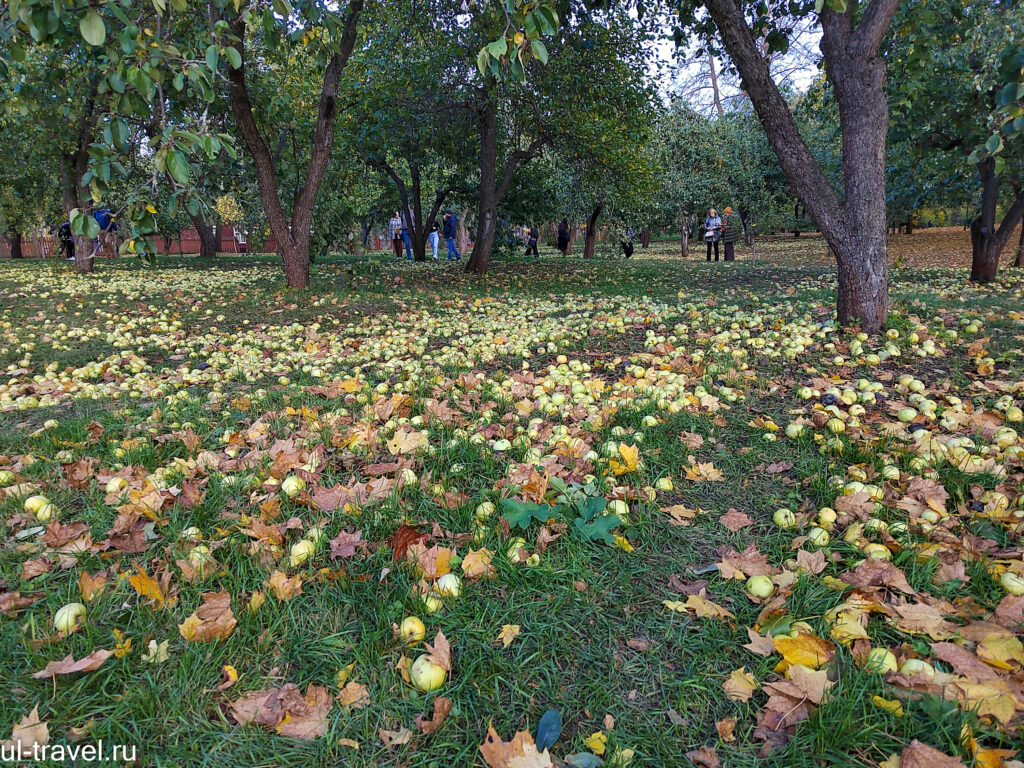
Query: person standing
{"x": 562, "y": 236}
{"x": 407, "y": 231}
{"x": 731, "y": 233}
{"x": 712, "y": 231}
{"x": 66, "y": 240}
{"x": 434, "y": 236}
{"x": 532, "y": 235}
{"x": 395, "y": 234}
{"x": 450, "y": 230}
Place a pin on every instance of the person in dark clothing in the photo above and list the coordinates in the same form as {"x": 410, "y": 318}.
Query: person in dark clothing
{"x": 406, "y": 218}
{"x": 562, "y": 238}
{"x": 450, "y": 231}
{"x": 532, "y": 235}
{"x": 732, "y": 231}
{"x": 712, "y": 231}
{"x": 66, "y": 240}
{"x": 627, "y": 247}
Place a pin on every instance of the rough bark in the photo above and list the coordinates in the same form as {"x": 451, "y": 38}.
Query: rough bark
{"x": 1020, "y": 249}
{"x": 493, "y": 188}
{"x": 14, "y": 240}
{"x": 590, "y": 241}
{"x": 73, "y": 168}
{"x": 207, "y": 236}
{"x": 645, "y": 238}
{"x": 854, "y": 229}
{"x": 987, "y": 238}
{"x": 292, "y": 236}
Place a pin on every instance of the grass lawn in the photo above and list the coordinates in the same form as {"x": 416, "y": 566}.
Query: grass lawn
{"x": 626, "y": 420}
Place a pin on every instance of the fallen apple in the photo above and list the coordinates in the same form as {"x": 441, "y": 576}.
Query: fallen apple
{"x": 116, "y": 485}
{"x": 818, "y": 536}
{"x": 449, "y": 585}
{"x": 66, "y": 619}
{"x": 6, "y": 478}
{"x": 426, "y": 675}
{"x": 34, "y": 503}
{"x": 760, "y": 586}
{"x": 293, "y": 486}
{"x": 412, "y": 630}
{"x": 784, "y": 518}
{"x": 880, "y": 660}
{"x": 1012, "y": 583}
{"x": 300, "y": 552}
{"x": 912, "y": 667}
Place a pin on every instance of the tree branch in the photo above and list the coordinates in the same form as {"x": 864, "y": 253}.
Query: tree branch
{"x": 870, "y": 31}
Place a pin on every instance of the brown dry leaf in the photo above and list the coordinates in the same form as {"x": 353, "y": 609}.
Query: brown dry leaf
{"x": 442, "y": 706}
{"x": 433, "y": 562}
{"x": 68, "y": 665}
{"x": 874, "y": 573}
{"x": 705, "y": 757}
{"x": 805, "y": 649}
{"x": 759, "y": 644}
{"x": 28, "y": 732}
{"x": 681, "y": 514}
{"x": 345, "y": 543}
{"x": 285, "y": 588}
{"x": 521, "y": 752}
{"x": 30, "y": 569}
{"x": 286, "y": 710}
{"x": 157, "y": 591}
{"x": 90, "y": 586}
{"x": 691, "y": 440}
{"x": 858, "y": 505}
{"x": 741, "y": 685}
{"x": 725, "y": 728}
{"x": 919, "y": 618}
{"x": 919, "y": 755}
{"x": 440, "y": 651}
{"x": 213, "y": 620}
{"x": 395, "y": 738}
{"x": 406, "y": 442}
{"x": 354, "y": 695}
{"x": 812, "y": 684}
{"x": 813, "y": 562}
{"x": 477, "y": 563}
{"x": 640, "y": 644}
{"x": 509, "y": 632}
{"x": 705, "y": 609}
{"x": 735, "y": 520}
{"x": 228, "y": 677}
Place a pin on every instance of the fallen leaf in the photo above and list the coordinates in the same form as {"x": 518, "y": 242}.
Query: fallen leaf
{"x": 521, "y": 752}
{"x": 477, "y": 563}
{"x": 440, "y": 651}
{"x": 68, "y": 665}
{"x": 725, "y": 728}
{"x": 805, "y": 649}
{"x": 26, "y": 734}
{"x": 30, "y": 569}
{"x": 345, "y": 543}
{"x": 735, "y": 520}
{"x": 691, "y": 440}
{"x": 157, "y": 652}
{"x": 395, "y": 738}
{"x": 442, "y": 707}
{"x": 284, "y": 588}
{"x": 90, "y": 586}
{"x": 354, "y": 695}
{"x": 741, "y": 685}
{"x": 919, "y": 755}
{"x": 703, "y": 472}
{"x": 157, "y": 591}
{"x": 228, "y": 677}
{"x": 889, "y": 705}
{"x": 680, "y": 514}
{"x": 213, "y": 620}
{"x": 509, "y": 632}
{"x": 700, "y": 606}
{"x": 285, "y": 710}
{"x": 759, "y": 644}
{"x": 705, "y": 757}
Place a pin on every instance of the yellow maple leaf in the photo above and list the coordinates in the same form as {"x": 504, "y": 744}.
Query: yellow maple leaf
{"x": 702, "y": 607}
{"x": 623, "y": 543}
{"x": 149, "y": 587}
{"x": 630, "y": 460}
{"x": 509, "y": 632}
{"x": 1002, "y": 650}
{"x": 477, "y": 563}
{"x": 805, "y": 649}
{"x": 889, "y": 705}
{"x": 596, "y": 742}
{"x": 703, "y": 471}
{"x": 741, "y": 685}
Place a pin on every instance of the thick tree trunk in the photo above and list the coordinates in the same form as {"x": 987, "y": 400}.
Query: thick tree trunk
{"x": 14, "y": 239}
{"x": 748, "y": 235}
{"x": 1020, "y": 249}
{"x": 462, "y": 226}
{"x": 590, "y": 242}
{"x": 645, "y": 238}
{"x": 207, "y": 237}
{"x": 574, "y": 233}
{"x": 72, "y": 170}
{"x": 856, "y": 228}
{"x": 910, "y": 227}
{"x": 293, "y": 237}
{"x": 988, "y": 240}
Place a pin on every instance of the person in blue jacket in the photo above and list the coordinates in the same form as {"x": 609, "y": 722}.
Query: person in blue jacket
{"x": 451, "y": 225}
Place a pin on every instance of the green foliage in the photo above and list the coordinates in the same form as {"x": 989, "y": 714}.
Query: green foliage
{"x": 581, "y": 505}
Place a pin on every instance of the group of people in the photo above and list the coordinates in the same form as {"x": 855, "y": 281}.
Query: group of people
{"x": 400, "y": 234}
{"x": 727, "y": 230}
{"x": 107, "y": 224}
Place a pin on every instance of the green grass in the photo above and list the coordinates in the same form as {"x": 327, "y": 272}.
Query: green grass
{"x": 572, "y": 653}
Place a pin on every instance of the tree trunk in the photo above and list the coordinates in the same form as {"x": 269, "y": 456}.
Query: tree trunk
{"x": 685, "y": 238}
{"x": 910, "y": 227}
{"x": 645, "y": 238}
{"x": 218, "y": 236}
{"x": 714, "y": 85}
{"x": 574, "y": 233}
{"x": 590, "y": 242}
{"x": 856, "y": 228}
{"x": 293, "y": 237}
{"x": 1020, "y": 249}
{"x": 748, "y": 234}
{"x": 462, "y": 229}
{"x": 988, "y": 240}
{"x": 14, "y": 238}
{"x": 207, "y": 236}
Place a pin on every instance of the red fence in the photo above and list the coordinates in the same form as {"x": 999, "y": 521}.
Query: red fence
{"x": 37, "y": 246}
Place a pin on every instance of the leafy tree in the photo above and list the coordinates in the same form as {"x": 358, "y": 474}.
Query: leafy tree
{"x": 958, "y": 103}
{"x": 854, "y": 225}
